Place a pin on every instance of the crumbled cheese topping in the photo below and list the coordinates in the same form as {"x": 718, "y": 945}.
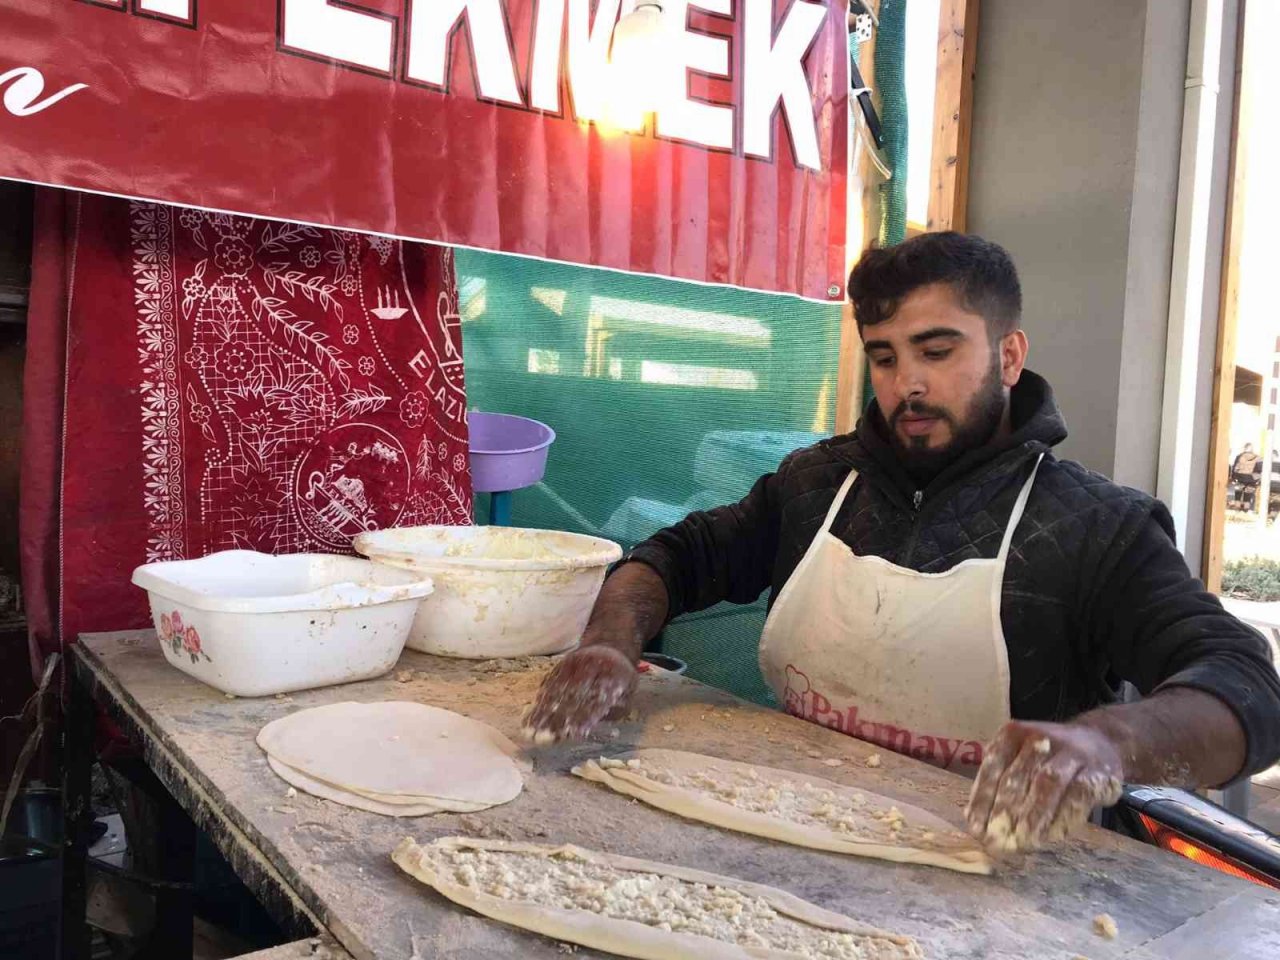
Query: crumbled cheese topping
{"x": 798, "y": 802}
{"x": 1104, "y": 925}
{"x": 568, "y": 882}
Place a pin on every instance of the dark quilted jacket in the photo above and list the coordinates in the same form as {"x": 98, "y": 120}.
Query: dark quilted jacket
{"x": 1095, "y": 590}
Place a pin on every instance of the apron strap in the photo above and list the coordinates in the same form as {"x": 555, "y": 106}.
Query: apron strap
{"x": 838, "y": 501}
{"x": 1016, "y": 517}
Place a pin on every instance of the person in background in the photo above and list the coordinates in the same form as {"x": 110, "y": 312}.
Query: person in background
{"x": 1246, "y": 471}
{"x": 1245, "y": 461}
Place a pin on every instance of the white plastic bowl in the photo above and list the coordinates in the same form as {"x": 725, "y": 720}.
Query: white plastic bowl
{"x": 499, "y": 591}
{"x": 254, "y": 625}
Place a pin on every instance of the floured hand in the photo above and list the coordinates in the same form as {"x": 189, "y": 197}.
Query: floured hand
{"x": 1040, "y": 782}
{"x": 585, "y": 687}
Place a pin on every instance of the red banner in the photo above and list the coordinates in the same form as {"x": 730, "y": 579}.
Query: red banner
{"x": 480, "y": 123}
{"x": 235, "y": 384}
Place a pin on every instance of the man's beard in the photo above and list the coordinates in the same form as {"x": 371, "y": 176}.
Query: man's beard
{"x": 979, "y": 425}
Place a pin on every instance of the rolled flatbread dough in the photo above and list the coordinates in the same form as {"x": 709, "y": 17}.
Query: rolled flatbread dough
{"x": 325, "y": 791}
{"x": 397, "y": 753}
{"x": 301, "y": 779}
{"x": 792, "y": 807}
{"x": 637, "y": 908}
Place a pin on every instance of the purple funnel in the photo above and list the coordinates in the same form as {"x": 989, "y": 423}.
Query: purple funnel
{"x": 507, "y": 452}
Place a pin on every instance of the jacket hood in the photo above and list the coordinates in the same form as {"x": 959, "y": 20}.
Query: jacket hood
{"x": 1037, "y": 426}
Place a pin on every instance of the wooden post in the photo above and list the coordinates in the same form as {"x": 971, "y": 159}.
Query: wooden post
{"x": 864, "y": 204}
{"x": 1224, "y": 367}
{"x": 77, "y": 774}
{"x": 868, "y": 175}
{"x": 953, "y": 114}
{"x": 849, "y": 380}
{"x": 949, "y": 178}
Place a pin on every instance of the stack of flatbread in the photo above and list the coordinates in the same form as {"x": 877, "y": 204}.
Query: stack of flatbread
{"x": 396, "y": 758}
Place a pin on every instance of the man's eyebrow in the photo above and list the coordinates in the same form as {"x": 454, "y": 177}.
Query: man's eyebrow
{"x": 937, "y": 333}
{"x": 933, "y": 333}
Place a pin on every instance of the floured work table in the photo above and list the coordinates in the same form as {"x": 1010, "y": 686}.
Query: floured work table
{"x": 321, "y": 868}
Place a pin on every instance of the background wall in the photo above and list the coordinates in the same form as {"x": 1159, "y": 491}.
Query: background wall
{"x": 1076, "y": 154}
{"x": 1074, "y": 169}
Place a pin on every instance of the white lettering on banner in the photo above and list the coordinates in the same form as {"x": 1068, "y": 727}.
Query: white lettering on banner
{"x": 768, "y": 73}
{"x": 26, "y": 84}
{"x": 682, "y": 118}
{"x": 774, "y": 74}
{"x": 176, "y": 9}
{"x": 357, "y": 37}
{"x": 431, "y": 26}
{"x": 588, "y": 55}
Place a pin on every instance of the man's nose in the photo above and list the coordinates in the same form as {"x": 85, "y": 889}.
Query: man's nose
{"x": 910, "y": 382}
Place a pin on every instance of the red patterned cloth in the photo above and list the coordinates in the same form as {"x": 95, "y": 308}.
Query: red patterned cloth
{"x": 237, "y": 383}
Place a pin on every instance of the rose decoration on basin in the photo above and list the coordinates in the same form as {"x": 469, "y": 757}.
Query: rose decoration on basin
{"x": 180, "y": 637}
{"x": 191, "y": 643}
{"x": 254, "y": 624}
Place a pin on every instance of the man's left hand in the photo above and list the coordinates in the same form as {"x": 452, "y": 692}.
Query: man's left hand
{"x": 1040, "y": 781}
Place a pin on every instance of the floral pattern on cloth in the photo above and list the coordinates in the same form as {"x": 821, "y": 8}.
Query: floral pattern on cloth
{"x": 234, "y": 383}
{"x": 312, "y": 382}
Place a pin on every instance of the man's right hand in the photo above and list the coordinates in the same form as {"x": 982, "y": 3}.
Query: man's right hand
{"x": 598, "y": 677}
{"x": 584, "y": 688}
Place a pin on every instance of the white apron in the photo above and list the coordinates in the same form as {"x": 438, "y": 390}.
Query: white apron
{"x": 914, "y": 662}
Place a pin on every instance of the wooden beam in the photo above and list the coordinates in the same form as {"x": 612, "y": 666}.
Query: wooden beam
{"x": 849, "y": 379}
{"x": 868, "y": 175}
{"x": 864, "y": 202}
{"x": 953, "y": 114}
{"x": 948, "y": 200}
{"x": 1224, "y": 365}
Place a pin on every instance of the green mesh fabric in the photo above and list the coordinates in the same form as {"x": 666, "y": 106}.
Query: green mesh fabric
{"x": 666, "y": 397}
{"x": 891, "y": 104}
{"x": 891, "y": 85}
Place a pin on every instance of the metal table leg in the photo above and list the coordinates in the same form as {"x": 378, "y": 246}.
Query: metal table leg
{"x": 77, "y": 816}
{"x": 1236, "y": 799}
{"x": 500, "y": 509}
{"x": 171, "y": 864}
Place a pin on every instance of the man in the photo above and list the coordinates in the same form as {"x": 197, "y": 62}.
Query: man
{"x": 945, "y": 587}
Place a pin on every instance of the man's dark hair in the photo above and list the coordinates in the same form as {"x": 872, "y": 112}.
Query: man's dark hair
{"x": 980, "y": 271}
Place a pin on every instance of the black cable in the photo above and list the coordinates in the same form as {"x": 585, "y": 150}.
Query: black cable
{"x": 864, "y": 100}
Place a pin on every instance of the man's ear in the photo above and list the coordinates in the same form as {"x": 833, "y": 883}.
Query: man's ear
{"x": 1013, "y": 357}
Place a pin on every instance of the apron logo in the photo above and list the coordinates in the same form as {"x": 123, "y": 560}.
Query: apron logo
{"x": 26, "y": 84}
{"x": 794, "y": 696}
{"x": 801, "y": 700}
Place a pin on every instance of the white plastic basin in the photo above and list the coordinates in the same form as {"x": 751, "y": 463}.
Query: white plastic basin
{"x": 254, "y": 625}
{"x": 499, "y": 591}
